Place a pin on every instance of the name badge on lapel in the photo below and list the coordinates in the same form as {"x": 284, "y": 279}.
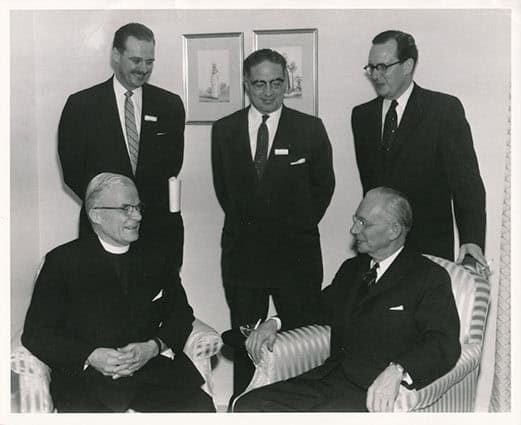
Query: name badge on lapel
{"x": 150, "y": 118}
{"x": 281, "y": 152}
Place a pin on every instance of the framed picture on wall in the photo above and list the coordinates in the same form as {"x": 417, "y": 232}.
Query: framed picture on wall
{"x": 212, "y": 72}
{"x": 299, "y": 47}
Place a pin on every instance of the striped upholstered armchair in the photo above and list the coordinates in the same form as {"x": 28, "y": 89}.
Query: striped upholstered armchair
{"x": 300, "y": 350}
{"x": 30, "y": 377}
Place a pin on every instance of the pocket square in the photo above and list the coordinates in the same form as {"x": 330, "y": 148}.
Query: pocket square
{"x": 160, "y": 134}
{"x": 150, "y": 118}
{"x": 298, "y": 161}
{"x": 159, "y": 295}
{"x": 396, "y": 308}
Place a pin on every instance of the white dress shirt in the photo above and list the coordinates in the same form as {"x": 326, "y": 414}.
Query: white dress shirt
{"x": 400, "y": 108}
{"x": 255, "y": 120}
{"x": 137, "y": 99}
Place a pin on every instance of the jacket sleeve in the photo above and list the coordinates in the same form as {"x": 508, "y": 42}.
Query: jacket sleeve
{"x": 177, "y": 116}
{"x": 322, "y": 177}
{"x": 437, "y": 348}
{"x": 72, "y": 145}
{"x": 45, "y": 332}
{"x": 463, "y": 173}
{"x": 176, "y": 314}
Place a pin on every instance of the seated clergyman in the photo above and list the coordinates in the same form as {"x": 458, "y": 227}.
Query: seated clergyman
{"x": 103, "y": 309}
{"x": 393, "y": 322}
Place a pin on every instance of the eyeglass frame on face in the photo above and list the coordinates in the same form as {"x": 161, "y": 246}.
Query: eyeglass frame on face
{"x": 380, "y": 67}
{"x": 359, "y": 221}
{"x": 261, "y": 85}
{"x": 126, "y": 209}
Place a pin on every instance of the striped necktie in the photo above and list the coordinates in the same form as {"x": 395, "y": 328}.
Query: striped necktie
{"x": 261, "y": 152}
{"x": 132, "y": 134}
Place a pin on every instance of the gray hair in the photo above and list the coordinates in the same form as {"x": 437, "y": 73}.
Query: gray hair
{"x": 99, "y": 184}
{"x": 397, "y": 205}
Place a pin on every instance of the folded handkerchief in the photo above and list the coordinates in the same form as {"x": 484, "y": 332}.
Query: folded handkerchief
{"x": 298, "y": 161}
{"x": 398, "y": 307}
{"x": 159, "y": 295}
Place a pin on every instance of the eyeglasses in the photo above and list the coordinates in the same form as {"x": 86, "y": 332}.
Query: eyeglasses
{"x": 359, "y": 221}
{"x": 126, "y": 209}
{"x": 380, "y": 67}
{"x": 260, "y": 85}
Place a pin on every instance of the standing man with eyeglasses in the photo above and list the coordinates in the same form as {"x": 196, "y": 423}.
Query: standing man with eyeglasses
{"x": 103, "y": 310}
{"x": 127, "y": 126}
{"x": 419, "y": 142}
{"x": 273, "y": 176}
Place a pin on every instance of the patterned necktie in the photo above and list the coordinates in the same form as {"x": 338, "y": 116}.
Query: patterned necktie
{"x": 368, "y": 279}
{"x": 130, "y": 127}
{"x": 390, "y": 126}
{"x": 261, "y": 152}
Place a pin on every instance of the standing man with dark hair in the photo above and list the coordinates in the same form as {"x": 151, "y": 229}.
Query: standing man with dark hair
{"x": 273, "y": 176}
{"x": 419, "y": 142}
{"x": 127, "y": 126}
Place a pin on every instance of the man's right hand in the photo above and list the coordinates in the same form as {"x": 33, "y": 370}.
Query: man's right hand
{"x": 106, "y": 360}
{"x": 265, "y": 334}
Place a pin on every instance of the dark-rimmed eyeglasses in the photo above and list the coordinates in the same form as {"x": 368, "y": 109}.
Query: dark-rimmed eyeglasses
{"x": 261, "y": 85}
{"x": 380, "y": 67}
{"x": 125, "y": 209}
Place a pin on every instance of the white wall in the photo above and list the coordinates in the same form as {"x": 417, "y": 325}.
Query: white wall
{"x": 55, "y": 53}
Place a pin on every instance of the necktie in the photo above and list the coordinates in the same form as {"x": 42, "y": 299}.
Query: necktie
{"x": 390, "y": 126}
{"x": 130, "y": 127}
{"x": 368, "y": 279}
{"x": 261, "y": 152}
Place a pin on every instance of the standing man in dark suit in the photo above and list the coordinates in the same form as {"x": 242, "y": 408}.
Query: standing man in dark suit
{"x": 273, "y": 176}
{"x": 393, "y": 322}
{"x": 104, "y": 308}
{"x": 419, "y": 142}
{"x": 127, "y": 126}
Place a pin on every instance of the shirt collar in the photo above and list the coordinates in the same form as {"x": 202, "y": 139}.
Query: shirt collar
{"x": 112, "y": 248}
{"x": 386, "y": 263}
{"x": 120, "y": 90}
{"x": 256, "y": 115}
{"x": 402, "y": 100}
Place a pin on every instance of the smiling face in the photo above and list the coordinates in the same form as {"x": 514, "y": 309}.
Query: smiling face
{"x": 265, "y": 85}
{"x": 391, "y": 83}
{"x": 112, "y": 225}
{"x": 134, "y": 64}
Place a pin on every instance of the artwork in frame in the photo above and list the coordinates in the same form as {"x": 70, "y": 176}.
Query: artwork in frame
{"x": 299, "y": 47}
{"x": 212, "y": 75}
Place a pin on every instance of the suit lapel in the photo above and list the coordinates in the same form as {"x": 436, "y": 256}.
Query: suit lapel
{"x": 411, "y": 118}
{"x": 241, "y": 156}
{"x": 374, "y": 136}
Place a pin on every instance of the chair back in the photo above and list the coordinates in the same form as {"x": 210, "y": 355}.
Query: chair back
{"x": 472, "y": 296}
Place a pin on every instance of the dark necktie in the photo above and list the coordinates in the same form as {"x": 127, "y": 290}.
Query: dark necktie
{"x": 390, "y": 126}
{"x": 261, "y": 152}
{"x": 368, "y": 279}
{"x": 131, "y": 128}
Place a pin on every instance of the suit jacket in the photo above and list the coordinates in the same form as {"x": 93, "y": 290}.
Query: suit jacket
{"x": 91, "y": 141}
{"x": 408, "y": 317}
{"x": 270, "y": 235}
{"x": 432, "y": 161}
{"x": 79, "y": 304}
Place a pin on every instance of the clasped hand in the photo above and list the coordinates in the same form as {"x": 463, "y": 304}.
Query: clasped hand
{"x": 265, "y": 334}
{"x": 383, "y": 391}
{"x": 124, "y": 361}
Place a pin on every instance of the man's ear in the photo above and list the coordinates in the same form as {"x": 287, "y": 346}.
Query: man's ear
{"x": 94, "y": 216}
{"x": 408, "y": 66}
{"x": 115, "y": 55}
{"x": 395, "y": 231}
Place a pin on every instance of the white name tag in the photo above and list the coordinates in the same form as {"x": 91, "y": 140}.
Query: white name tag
{"x": 281, "y": 152}
{"x": 150, "y": 118}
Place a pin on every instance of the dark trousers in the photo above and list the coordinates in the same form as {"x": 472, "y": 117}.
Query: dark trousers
{"x": 331, "y": 393}
{"x": 296, "y": 306}
{"x": 147, "y": 398}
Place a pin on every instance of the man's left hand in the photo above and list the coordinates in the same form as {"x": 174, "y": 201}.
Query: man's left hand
{"x": 137, "y": 354}
{"x": 383, "y": 391}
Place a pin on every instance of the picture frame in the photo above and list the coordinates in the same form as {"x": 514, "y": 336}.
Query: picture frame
{"x": 300, "y": 48}
{"x": 212, "y": 75}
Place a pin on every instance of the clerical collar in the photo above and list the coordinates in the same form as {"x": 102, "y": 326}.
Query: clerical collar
{"x": 113, "y": 249}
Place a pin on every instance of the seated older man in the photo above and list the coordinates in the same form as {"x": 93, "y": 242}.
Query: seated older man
{"x": 103, "y": 309}
{"x": 393, "y": 322}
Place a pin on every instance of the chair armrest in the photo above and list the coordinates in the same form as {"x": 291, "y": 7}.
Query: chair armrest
{"x": 32, "y": 382}
{"x": 294, "y": 352}
{"x": 203, "y": 342}
{"x": 408, "y": 400}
